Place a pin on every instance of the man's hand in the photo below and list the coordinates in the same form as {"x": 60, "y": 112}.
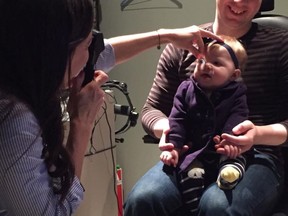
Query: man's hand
{"x": 240, "y": 142}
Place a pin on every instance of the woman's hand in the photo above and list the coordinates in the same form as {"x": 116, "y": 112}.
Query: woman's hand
{"x": 83, "y": 106}
{"x": 190, "y": 38}
{"x": 240, "y": 142}
{"x": 84, "y": 103}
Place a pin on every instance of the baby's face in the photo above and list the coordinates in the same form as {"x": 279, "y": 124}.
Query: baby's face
{"x": 215, "y": 69}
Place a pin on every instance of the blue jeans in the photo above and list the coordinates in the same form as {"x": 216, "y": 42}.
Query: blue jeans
{"x": 156, "y": 193}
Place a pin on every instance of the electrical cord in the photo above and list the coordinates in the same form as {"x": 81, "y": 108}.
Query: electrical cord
{"x": 105, "y": 114}
{"x": 92, "y": 150}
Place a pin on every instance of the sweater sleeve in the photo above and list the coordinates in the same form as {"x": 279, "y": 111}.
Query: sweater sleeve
{"x": 106, "y": 60}
{"x": 283, "y": 64}
{"x": 160, "y": 99}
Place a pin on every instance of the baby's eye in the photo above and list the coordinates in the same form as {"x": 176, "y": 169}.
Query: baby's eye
{"x": 201, "y": 61}
{"x": 216, "y": 63}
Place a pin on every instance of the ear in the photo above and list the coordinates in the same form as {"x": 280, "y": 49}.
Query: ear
{"x": 235, "y": 75}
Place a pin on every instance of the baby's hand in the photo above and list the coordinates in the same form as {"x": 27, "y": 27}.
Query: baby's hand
{"x": 226, "y": 148}
{"x": 166, "y": 157}
{"x": 217, "y": 139}
{"x": 170, "y": 157}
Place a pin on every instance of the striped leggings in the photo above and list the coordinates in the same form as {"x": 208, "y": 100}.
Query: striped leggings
{"x": 192, "y": 183}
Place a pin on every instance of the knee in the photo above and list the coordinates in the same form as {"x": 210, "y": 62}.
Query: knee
{"x": 212, "y": 204}
{"x": 144, "y": 202}
{"x": 152, "y": 200}
{"x": 140, "y": 197}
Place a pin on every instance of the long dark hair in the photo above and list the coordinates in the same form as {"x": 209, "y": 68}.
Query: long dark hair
{"x": 34, "y": 53}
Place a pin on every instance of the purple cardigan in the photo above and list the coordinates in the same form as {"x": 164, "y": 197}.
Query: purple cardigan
{"x": 196, "y": 118}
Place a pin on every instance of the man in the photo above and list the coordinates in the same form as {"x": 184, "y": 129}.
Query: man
{"x": 156, "y": 193}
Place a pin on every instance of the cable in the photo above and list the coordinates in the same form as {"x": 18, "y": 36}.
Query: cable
{"x": 92, "y": 149}
{"x": 113, "y": 164}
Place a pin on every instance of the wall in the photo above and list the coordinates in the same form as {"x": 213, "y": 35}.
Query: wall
{"x": 133, "y": 155}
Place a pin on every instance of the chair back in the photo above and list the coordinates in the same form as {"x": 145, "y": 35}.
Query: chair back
{"x": 273, "y": 20}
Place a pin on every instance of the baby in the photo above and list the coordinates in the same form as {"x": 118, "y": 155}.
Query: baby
{"x": 210, "y": 103}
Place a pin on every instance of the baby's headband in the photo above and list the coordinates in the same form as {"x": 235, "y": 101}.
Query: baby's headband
{"x": 228, "y": 48}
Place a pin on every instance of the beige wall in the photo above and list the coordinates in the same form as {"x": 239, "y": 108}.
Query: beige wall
{"x": 133, "y": 155}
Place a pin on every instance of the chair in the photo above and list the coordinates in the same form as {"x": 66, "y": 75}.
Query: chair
{"x": 273, "y": 20}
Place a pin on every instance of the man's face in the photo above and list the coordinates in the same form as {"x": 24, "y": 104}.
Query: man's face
{"x": 236, "y": 13}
